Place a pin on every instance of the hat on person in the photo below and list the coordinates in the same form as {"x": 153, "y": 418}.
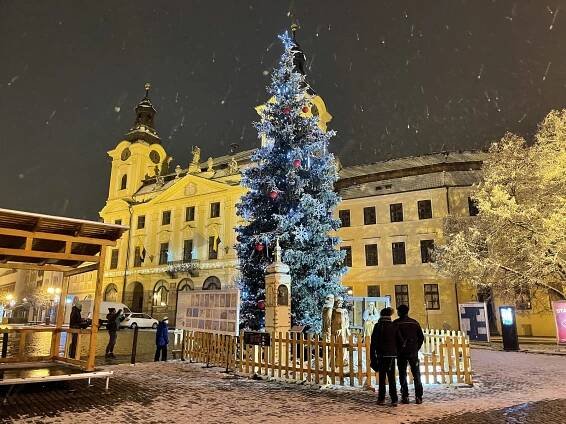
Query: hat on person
{"x": 165, "y": 318}
{"x": 111, "y": 309}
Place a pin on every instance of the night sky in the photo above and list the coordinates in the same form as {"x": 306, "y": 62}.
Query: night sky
{"x": 399, "y": 77}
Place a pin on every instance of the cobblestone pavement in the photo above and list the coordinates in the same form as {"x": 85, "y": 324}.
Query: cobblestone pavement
{"x": 509, "y": 387}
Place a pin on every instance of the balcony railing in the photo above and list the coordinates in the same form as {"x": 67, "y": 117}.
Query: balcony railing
{"x": 190, "y": 266}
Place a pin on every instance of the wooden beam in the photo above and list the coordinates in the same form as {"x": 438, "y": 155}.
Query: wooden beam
{"x": 22, "y": 253}
{"x": 96, "y": 311}
{"x": 51, "y": 236}
{"x": 47, "y": 267}
{"x": 81, "y": 270}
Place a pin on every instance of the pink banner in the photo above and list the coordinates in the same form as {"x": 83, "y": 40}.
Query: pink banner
{"x": 559, "y": 309}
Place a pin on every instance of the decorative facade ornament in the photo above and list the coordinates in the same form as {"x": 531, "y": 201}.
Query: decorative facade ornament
{"x": 178, "y": 171}
{"x": 233, "y": 166}
{"x": 210, "y": 163}
{"x": 194, "y": 165}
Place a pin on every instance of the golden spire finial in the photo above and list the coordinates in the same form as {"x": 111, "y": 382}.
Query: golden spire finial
{"x": 147, "y": 88}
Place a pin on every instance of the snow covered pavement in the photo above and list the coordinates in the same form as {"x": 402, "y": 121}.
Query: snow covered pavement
{"x": 178, "y": 392}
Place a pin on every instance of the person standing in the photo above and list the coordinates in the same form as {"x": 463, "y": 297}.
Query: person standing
{"x": 75, "y": 322}
{"x": 161, "y": 340}
{"x": 112, "y": 325}
{"x": 411, "y": 339}
{"x": 383, "y": 351}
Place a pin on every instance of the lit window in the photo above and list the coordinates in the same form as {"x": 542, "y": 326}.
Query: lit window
{"x": 401, "y": 295}
{"x": 160, "y": 294}
{"x": 432, "y": 297}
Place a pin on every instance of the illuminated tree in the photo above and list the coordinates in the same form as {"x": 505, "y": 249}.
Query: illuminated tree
{"x": 291, "y": 197}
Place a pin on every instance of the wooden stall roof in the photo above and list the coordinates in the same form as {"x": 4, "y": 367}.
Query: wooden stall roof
{"x": 36, "y": 241}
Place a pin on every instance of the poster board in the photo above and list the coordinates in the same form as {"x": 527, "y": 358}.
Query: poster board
{"x": 209, "y": 311}
{"x": 559, "y": 311}
{"x": 473, "y": 321}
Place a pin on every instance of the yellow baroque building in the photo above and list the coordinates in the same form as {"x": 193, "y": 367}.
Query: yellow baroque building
{"x": 182, "y": 223}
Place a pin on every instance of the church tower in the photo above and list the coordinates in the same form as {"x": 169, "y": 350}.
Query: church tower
{"x": 139, "y": 155}
{"x": 317, "y": 106}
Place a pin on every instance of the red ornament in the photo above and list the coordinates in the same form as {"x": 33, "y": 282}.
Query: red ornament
{"x": 297, "y": 163}
{"x": 259, "y": 247}
{"x": 261, "y": 305}
{"x": 286, "y": 110}
{"x": 305, "y": 109}
{"x": 273, "y": 195}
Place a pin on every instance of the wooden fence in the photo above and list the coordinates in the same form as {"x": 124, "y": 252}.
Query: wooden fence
{"x": 444, "y": 357}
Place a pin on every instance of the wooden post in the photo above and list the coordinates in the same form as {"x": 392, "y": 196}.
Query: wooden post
{"x": 351, "y": 359}
{"x": 280, "y": 354}
{"x": 287, "y": 355}
{"x": 309, "y": 356}
{"x": 332, "y": 354}
{"x": 95, "y": 310}
{"x": 78, "y": 346}
{"x": 317, "y": 359}
{"x": 340, "y": 352}
{"x": 368, "y": 362}
{"x": 324, "y": 360}
{"x": 301, "y": 345}
{"x": 360, "y": 360}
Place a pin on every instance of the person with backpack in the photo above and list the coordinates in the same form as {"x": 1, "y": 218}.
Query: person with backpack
{"x": 383, "y": 350}
{"x": 410, "y": 340}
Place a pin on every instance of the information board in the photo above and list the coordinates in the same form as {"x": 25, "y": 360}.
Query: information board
{"x": 473, "y": 321}
{"x": 209, "y": 311}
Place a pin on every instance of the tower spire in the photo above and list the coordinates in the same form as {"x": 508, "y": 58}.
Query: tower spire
{"x": 144, "y": 127}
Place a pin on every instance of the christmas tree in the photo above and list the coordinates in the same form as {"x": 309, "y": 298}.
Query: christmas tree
{"x": 290, "y": 198}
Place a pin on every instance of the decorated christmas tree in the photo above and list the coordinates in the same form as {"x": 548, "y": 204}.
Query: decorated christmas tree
{"x": 290, "y": 198}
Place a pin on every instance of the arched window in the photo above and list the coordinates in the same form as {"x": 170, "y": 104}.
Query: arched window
{"x": 124, "y": 182}
{"x": 211, "y": 283}
{"x": 160, "y": 294}
{"x": 282, "y": 295}
{"x": 185, "y": 284}
{"x": 111, "y": 293}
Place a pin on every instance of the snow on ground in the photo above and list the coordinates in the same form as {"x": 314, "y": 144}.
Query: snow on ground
{"x": 178, "y": 392}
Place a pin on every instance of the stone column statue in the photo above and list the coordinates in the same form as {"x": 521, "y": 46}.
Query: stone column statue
{"x": 370, "y": 317}
{"x": 327, "y": 316}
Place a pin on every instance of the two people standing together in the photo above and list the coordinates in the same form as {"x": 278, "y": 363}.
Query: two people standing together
{"x": 400, "y": 339}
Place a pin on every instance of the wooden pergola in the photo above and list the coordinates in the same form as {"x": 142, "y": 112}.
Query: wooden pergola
{"x": 51, "y": 243}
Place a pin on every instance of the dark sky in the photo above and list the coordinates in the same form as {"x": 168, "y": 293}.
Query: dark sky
{"x": 400, "y": 77}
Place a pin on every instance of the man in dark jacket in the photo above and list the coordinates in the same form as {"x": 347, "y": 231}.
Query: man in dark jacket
{"x": 161, "y": 340}
{"x": 112, "y": 325}
{"x": 410, "y": 341}
{"x": 383, "y": 352}
{"x": 75, "y": 321}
